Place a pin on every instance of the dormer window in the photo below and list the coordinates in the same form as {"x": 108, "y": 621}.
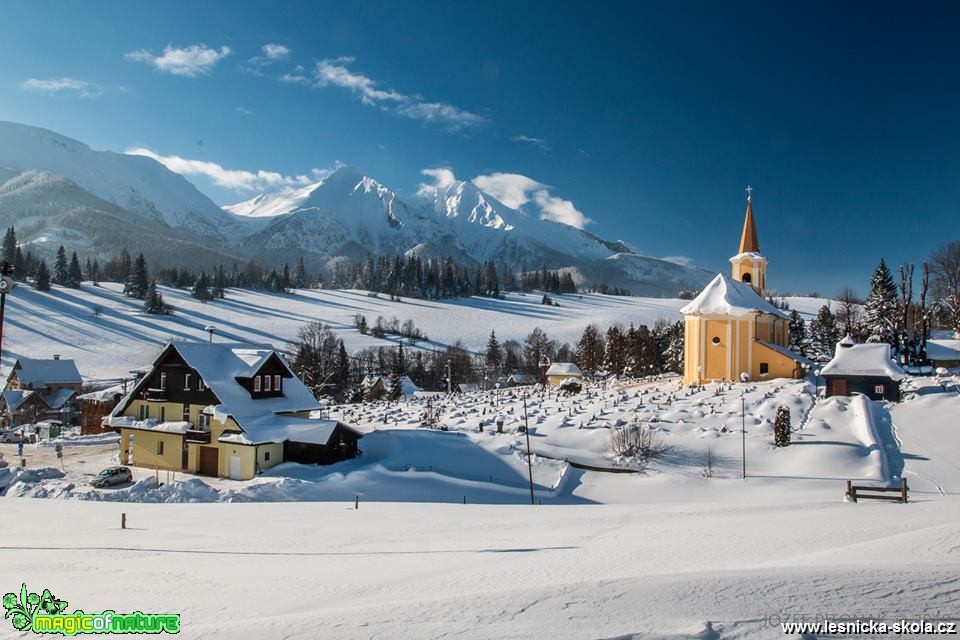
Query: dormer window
{"x": 266, "y": 383}
{"x": 256, "y": 384}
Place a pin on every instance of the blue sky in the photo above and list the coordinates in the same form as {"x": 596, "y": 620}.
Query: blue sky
{"x": 641, "y": 121}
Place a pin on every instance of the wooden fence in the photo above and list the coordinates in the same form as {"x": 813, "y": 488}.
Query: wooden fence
{"x": 862, "y": 492}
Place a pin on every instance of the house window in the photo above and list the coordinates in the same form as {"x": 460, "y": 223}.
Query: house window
{"x": 878, "y": 389}
{"x": 186, "y": 413}
{"x": 256, "y": 384}
{"x": 144, "y": 411}
{"x": 163, "y": 414}
{"x": 716, "y": 340}
{"x": 160, "y": 447}
{"x": 186, "y": 382}
{"x": 276, "y": 382}
{"x": 764, "y": 368}
{"x": 163, "y": 381}
{"x": 266, "y": 456}
{"x": 200, "y": 385}
{"x": 266, "y": 383}
{"x": 204, "y": 421}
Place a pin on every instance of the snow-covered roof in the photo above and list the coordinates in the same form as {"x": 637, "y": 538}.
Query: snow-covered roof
{"x": 522, "y": 378}
{"x": 220, "y": 364}
{"x": 103, "y": 395}
{"x": 564, "y": 369}
{"x": 276, "y": 429}
{"x": 728, "y": 297}
{"x": 37, "y": 373}
{"x": 407, "y": 386}
{"x": 13, "y": 399}
{"x": 753, "y": 255}
{"x": 58, "y": 398}
{"x": 943, "y": 349}
{"x": 863, "y": 360}
{"x": 786, "y": 352}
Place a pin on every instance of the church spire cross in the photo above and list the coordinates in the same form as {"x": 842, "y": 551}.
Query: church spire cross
{"x": 749, "y": 189}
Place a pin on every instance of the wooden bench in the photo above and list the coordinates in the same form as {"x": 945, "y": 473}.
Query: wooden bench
{"x": 862, "y": 492}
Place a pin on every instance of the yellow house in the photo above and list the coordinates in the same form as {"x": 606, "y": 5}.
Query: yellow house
{"x": 561, "y": 371}
{"x": 730, "y": 330}
{"x": 224, "y": 410}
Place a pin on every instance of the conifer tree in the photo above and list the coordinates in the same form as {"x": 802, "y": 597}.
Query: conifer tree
{"x": 60, "y": 275}
{"x": 300, "y": 280}
{"x": 94, "y": 275}
{"x": 201, "y": 288}
{"x": 824, "y": 334}
{"x": 74, "y": 274}
{"x": 20, "y": 265}
{"x": 138, "y": 280}
{"x": 797, "y": 334}
{"x": 343, "y": 368}
{"x": 153, "y": 303}
{"x": 42, "y": 282}
{"x": 493, "y": 357}
{"x": 220, "y": 283}
{"x": 590, "y": 351}
{"x": 10, "y": 246}
{"x": 881, "y": 307}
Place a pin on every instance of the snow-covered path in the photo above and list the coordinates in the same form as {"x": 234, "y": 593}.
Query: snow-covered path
{"x": 439, "y": 571}
{"x": 928, "y": 427}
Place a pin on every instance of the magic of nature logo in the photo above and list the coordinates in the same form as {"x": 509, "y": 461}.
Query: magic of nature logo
{"x": 44, "y": 613}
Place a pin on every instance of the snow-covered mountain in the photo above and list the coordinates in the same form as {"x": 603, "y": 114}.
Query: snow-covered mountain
{"x": 136, "y": 183}
{"x": 58, "y": 190}
{"x": 349, "y": 214}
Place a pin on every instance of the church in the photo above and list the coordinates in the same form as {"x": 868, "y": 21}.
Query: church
{"x": 730, "y": 329}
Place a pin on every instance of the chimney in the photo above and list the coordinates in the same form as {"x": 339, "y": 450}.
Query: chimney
{"x": 56, "y": 356}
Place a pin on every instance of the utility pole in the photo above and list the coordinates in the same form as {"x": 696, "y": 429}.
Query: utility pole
{"x": 526, "y": 428}
{"x": 743, "y": 430}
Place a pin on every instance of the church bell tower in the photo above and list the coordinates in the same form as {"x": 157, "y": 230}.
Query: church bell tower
{"x": 748, "y": 265}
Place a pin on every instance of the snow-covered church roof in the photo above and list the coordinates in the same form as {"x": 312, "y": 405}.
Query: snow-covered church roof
{"x": 863, "y": 360}
{"x": 726, "y": 296}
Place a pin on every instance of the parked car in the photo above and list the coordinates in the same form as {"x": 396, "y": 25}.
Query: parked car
{"x": 10, "y": 436}
{"x": 111, "y": 476}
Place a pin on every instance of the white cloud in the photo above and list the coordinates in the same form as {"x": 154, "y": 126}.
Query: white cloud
{"x": 512, "y": 189}
{"x": 294, "y": 78}
{"x": 447, "y": 115}
{"x": 515, "y": 191}
{"x": 190, "y": 62}
{"x": 559, "y": 210}
{"x": 81, "y": 88}
{"x": 537, "y": 142}
{"x": 442, "y": 178}
{"x": 235, "y": 179}
{"x": 275, "y": 51}
{"x": 334, "y": 72}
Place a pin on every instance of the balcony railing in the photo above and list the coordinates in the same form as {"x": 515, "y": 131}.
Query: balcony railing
{"x": 156, "y": 395}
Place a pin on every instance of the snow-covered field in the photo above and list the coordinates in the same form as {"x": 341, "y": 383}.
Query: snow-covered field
{"x": 445, "y": 542}
{"x": 108, "y": 334}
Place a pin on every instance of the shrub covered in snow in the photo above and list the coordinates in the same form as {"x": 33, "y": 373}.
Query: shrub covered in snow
{"x": 635, "y": 442}
{"x": 781, "y": 427}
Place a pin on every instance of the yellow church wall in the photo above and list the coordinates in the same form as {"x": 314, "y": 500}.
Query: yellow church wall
{"x": 778, "y": 365}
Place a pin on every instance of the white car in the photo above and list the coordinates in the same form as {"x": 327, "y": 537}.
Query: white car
{"x": 11, "y": 436}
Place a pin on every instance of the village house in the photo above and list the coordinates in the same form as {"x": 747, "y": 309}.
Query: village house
{"x": 863, "y": 368}
{"x": 560, "y": 371}
{"x": 731, "y": 330}
{"x": 944, "y": 353}
{"x": 38, "y": 390}
{"x": 521, "y": 380}
{"x": 225, "y": 410}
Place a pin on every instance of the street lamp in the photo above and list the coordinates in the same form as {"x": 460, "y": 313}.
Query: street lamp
{"x": 210, "y": 329}
{"x": 816, "y": 380}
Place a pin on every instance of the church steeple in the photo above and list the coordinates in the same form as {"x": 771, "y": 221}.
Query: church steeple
{"x": 748, "y": 238}
{"x": 748, "y": 265}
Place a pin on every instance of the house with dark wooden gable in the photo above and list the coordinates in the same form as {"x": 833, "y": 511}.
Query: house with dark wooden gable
{"x": 863, "y": 368}
{"x": 225, "y": 410}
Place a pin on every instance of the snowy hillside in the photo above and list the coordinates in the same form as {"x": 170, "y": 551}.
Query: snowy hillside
{"x": 109, "y": 334}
